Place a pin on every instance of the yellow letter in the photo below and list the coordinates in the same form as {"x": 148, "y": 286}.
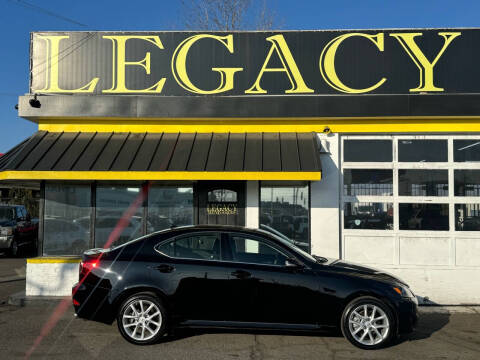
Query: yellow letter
{"x": 179, "y": 67}
{"x": 289, "y": 67}
{"x": 327, "y": 63}
{"x": 119, "y": 64}
{"x": 407, "y": 40}
{"x": 51, "y": 64}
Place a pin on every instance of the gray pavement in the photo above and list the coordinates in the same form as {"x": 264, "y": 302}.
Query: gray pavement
{"x": 439, "y": 336}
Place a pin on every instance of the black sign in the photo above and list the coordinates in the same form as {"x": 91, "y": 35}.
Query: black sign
{"x": 256, "y": 63}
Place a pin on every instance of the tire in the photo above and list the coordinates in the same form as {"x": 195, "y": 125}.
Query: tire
{"x": 138, "y": 329}
{"x": 14, "y": 250}
{"x": 359, "y": 327}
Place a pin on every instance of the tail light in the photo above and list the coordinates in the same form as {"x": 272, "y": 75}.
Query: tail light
{"x": 87, "y": 266}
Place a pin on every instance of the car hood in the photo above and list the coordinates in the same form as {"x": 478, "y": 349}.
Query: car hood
{"x": 363, "y": 271}
{"x": 7, "y": 223}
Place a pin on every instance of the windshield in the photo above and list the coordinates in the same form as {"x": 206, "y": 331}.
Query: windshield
{"x": 6, "y": 213}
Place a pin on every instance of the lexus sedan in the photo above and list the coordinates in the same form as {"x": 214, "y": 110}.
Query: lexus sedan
{"x": 222, "y": 276}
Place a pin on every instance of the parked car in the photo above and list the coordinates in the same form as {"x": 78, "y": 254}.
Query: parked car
{"x": 221, "y": 276}
{"x": 16, "y": 229}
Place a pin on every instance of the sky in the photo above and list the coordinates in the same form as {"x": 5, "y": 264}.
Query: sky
{"x": 18, "y": 18}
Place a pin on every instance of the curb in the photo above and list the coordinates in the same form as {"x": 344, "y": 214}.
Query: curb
{"x": 452, "y": 309}
{"x": 20, "y": 299}
{"x": 10, "y": 279}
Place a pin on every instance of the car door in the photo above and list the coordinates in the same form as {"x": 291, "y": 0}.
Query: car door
{"x": 265, "y": 287}
{"x": 189, "y": 269}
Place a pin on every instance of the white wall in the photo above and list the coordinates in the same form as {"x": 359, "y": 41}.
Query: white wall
{"x": 443, "y": 268}
{"x": 325, "y": 220}
{"x": 51, "y": 279}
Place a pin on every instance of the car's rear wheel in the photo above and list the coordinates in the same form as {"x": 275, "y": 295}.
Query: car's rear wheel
{"x": 368, "y": 323}
{"x": 142, "y": 319}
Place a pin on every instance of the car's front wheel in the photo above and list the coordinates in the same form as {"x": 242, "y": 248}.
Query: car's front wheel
{"x": 142, "y": 319}
{"x": 368, "y": 323}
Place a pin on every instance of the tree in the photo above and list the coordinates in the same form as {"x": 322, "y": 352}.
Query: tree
{"x": 20, "y": 196}
{"x": 227, "y": 15}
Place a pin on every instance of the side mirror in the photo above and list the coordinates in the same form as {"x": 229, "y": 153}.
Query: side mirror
{"x": 293, "y": 263}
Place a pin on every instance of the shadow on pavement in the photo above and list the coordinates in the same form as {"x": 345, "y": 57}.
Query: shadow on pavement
{"x": 428, "y": 324}
{"x": 182, "y": 333}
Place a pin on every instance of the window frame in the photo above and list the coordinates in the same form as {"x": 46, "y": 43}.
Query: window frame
{"x": 229, "y": 237}
{"x": 396, "y": 199}
{"x": 308, "y": 184}
{"x": 220, "y": 235}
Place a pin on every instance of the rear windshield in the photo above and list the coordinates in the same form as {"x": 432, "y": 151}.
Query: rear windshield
{"x": 7, "y": 213}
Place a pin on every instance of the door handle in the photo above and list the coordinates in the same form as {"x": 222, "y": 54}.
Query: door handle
{"x": 241, "y": 274}
{"x": 164, "y": 268}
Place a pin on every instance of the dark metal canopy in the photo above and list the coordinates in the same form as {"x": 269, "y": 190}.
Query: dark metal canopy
{"x": 51, "y": 152}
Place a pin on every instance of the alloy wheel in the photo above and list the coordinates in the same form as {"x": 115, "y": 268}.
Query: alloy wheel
{"x": 142, "y": 320}
{"x": 368, "y": 324}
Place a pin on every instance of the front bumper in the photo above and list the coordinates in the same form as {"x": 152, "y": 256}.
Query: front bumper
{"x": 407, "y": 315}
{"x": 6, "y": 241}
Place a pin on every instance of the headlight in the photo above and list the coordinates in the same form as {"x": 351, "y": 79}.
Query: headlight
{"x": 6, "y": 231}
{"x": 403, "y": 291}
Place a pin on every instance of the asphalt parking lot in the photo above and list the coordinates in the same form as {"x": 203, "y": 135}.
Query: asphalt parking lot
{"x": 442, "y": 335}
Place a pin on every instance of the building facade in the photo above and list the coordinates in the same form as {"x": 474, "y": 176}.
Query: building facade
{"x": 361, "y": 145}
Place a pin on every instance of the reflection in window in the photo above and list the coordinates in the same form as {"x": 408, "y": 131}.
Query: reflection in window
{"x": 423, "y": 216}
{"x": 252, "y": 251}
{"x": 286, "y": 209}
{"x": 368, "y": 182}
{"x": 205, "y": 247}
{"x": 367, "y": 150}
{"x": 112, "y": 202}
{"x": 467, "y": 182}
{"x": 423, "y": 182}
{"x": 222, "y": 195}
{"x": 169, "y": 206}
{"x": 67, "y": 219}
{"x": 359, "y": 215}
{"x": 466, "y": 150}
{"x": 422, "y": 150}
{"x": 467, "y": 217}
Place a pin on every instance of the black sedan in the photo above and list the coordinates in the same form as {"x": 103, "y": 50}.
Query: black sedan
{"x": 220, "y": 276}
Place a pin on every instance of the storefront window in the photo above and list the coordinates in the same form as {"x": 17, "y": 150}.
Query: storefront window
{"x": 422, "y": 150}
{"x": 467, "y": 217}
{"x": 423, "y": 182}
{"x": 286, "y": 210}
{"x": 367, "y": 150}
{"x": 467, "y": 182}
{"x": 466, "y": 150}
{"x": 362, "y": 215}
{"x": 423, "y": 216}
{"x": 169, "y": 206}
{"x": 367, "y": 182}
{"x": 112, "y": 202}
{"x": 67, "y": 219}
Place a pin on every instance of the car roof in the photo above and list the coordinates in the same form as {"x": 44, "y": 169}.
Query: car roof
{"x": 216, "y": 227}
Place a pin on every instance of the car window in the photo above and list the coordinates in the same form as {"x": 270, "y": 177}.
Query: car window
{"x": 19, "y": 213}
{"x": 251, "y": 250}
{"x": 201, "y": 246}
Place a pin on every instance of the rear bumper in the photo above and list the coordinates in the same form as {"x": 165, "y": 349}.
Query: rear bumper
{"x": 92, "y": 303}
